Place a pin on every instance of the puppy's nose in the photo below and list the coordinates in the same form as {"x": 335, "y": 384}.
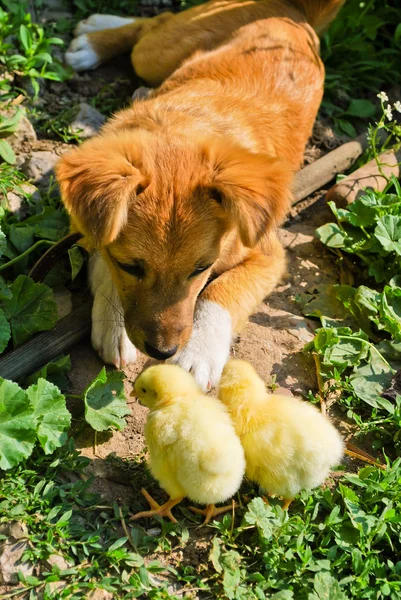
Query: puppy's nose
{"x": 160, "y": 354}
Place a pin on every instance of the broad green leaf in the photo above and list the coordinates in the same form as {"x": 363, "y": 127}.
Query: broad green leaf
{"x": 388, "y": 232}
{"x": 215, "y": 554}
{"x": 25, "y": 37}
{"x": 76, "y": 261}
{"x": 359, "y": 518}
{"x": 361, "y": 108}
{"x": 345, "y": 353}
{"x": 332, "y": 235}
{"x": 31, "y": 309}
{"x": 390, "y": 311}
{"x": 52, "y": 417}
{"x": 257, "y": 514}
{"x": 323, "y": 302}
{"x": 105, "y": 404}
{"x": 397, "y": 34}
{"x": 362, "y": 303}
{"x": 51, "y": 224}
{"x": 55, "y": 372}
{"x": 17, "y": 425}
{"x": 346, "y": 127}
{"x": 5, "y": 291}
{"x": 5, "y": 331}
{"x": 359, "y": 213}
{"x": 326, "y": 588}
{"x": 7, "y": 153}
{"x": 21, "y": 237}
{"x": 10, "y": 124}
{"x": 372, "y": 379}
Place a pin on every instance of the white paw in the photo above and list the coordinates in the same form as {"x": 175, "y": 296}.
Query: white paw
{"x": 209, "y": 346}
{"x": 80, "y": 54}
{"x": 109, "y": 337}
{"x": 100, "y": 23}
{"x": 111, "y": 342}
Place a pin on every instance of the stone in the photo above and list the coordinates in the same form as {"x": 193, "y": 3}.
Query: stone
{"x": 39, "y": 166}
{"x": 11, "y": 563}
{"x": 54, "y": 10}
{"x": 101, "y": 595}
{"x": 25, "y": 132}
{"x": 59, "y": 561}
{"x": 16, "y": 200}
{"x": 88, "y": 121}
{"x": 154, "y": 532}
{"x": 14, "y": 529}
{"x": 172, "y": 588}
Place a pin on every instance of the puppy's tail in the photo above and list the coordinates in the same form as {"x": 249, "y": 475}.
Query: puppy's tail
{"x": 319, "y": 13}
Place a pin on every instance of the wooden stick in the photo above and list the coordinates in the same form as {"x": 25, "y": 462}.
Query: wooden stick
{"x": 44, "y": 347}
{"x": 355, "y": 452}
{"x": 371, "y": 176}
{"x": 315, "y": 176}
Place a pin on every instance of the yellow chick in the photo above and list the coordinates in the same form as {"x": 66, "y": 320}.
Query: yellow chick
{"x": 289, "y": 445}
{"x": 194, "y": 451}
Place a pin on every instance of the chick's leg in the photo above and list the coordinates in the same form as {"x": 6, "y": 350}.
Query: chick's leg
{"x": 286, "y": 503}
{"x": 163, "y": 510}
{"x": 211, "y": 511}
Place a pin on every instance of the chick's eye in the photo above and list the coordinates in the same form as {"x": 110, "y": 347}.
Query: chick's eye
{"x": 136, "y": 269}
{"x": 199, "y": 270}
{"x": 143, "y": 390}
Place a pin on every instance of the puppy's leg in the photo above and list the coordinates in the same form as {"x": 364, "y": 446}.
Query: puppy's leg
{"x": 100, "y": 38}
{"x": 109, "y": 337}
{"x": 223, "y": 309}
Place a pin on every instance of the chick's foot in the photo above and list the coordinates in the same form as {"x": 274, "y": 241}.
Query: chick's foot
{"x": 286, "y": 503}
{"x": 163, "y": 510}
{"x": 211, "y": 511}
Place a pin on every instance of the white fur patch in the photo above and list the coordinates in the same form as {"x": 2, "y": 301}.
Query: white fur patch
{"x": 100, "y": 23}
{"x": 80, "y": 54}
{"x": 209, "y": 346}
{"x": 109, "y": 337}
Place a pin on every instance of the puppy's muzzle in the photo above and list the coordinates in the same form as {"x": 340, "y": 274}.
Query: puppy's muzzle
{"x": 160, "y": 354}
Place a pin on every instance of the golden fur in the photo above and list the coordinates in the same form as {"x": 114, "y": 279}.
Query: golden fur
{"x": 200, "y": 173}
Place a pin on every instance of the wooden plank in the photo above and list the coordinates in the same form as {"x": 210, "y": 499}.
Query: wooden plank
{"x": 369, "y": 176}
{"x": 44, "y": 347}
{"x": 322, "y": 171}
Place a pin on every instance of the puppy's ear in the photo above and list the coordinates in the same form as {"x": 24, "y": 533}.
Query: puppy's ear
{"x": 97, "y": 184}
{"x": 253, "y": 188}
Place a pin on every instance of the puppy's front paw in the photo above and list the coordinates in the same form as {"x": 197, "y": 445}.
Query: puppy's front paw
{"x": 109, "y": 337}
{"x": 209, "y": 346}
{"x": 80, "y": 54}
{"x": 113, "y": 344}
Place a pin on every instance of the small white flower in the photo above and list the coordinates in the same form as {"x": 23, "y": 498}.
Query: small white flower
{"x": 388, "y": 113}
{"x": 383, "y": 96}
{"x": 397, "y": 106}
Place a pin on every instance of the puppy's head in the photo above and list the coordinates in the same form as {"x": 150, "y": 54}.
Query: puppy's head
{"x": 159, "y": 210}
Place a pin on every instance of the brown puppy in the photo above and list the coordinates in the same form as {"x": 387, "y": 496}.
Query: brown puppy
{"x": 180, "y": 196}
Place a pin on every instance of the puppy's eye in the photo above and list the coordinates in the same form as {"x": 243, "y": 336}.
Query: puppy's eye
{"x": 199, "y": 270}
{"x": 216, "y": 195}
{"x": 136, "y": 269}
